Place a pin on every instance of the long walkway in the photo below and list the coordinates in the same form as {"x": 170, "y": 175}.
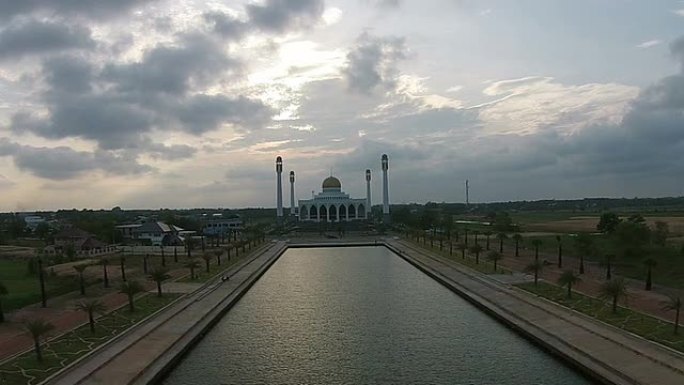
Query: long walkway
{"x": 617, "y": 357}
{"x": 138, "y": 356}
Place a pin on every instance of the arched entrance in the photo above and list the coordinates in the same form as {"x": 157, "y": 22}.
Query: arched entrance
{"x": 333, "y": 213}
{"x": 323, "y": 214}
{"x": 362, "y": 211}
{"x": 343, "y": 213}
{"x": 313, "y": 213}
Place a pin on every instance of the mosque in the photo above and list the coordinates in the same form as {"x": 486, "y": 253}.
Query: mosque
{"x": 331, "y": 204}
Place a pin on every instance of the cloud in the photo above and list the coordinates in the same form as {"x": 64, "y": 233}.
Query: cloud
{"x": 649, "y": 43}
{"x": 281, "y": 15}
{"x": 679, "y": 12}
{"x": 98, "y": 9}
{"x": 119, "y": 105}
{"x": 372, "y": 63}
{"x": 32, "y": 36}
{"x": 387, "y": 4}
{"x": 61, "y": 163}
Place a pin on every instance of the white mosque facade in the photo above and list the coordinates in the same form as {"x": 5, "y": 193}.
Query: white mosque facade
{"x": 332, "y": 205}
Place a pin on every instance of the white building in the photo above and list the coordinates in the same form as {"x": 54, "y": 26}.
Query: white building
{"x": 332, "y": 205}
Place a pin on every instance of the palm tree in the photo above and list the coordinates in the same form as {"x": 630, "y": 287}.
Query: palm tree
{"x": 535, "y": 267}
{"x": 207, "y": 258}
{"x": 476, "y": 249}
{"x": 475, "y": 234}
{"x": 584, "y": 244}
{"x": 487, "y": 234}
{"x": 560, "y": 251}
{"x": 3, "y": 291}
{"x": 518, "y": 238}
{"x": 38, "y": 328}
{"x": 145, "y": 257}
{"x": 163, "y": 256}
{"x": 465, "y": 236}
{"x": 501, "y": 237}
{"x": 463, "y": 247}
{"x": 131, "y": 288}
{"x": 80, "y": 269}
{"x": 227, "y": 249}
{"x": 41, "y": 281}
{"x": 495, "y": 257}
{"x": 674, "y": 303}
{"x": 123, "y": 268}
{"x": 91, "y": 307}
{"x": 536, "y": 243}
{"x": 569, "y": 278}
{"x": 615, "y": 289}
{"x": 105, "y": 276}
{"x": 608, "y": 263}
{"x": 192, "y": 265}
{"x": 175, "y": 254}
{"x": 189, "y": 245}
{"x": 650, "y": 263}
{"x": 218, "y": 254}
{"x": 159, "y": 275}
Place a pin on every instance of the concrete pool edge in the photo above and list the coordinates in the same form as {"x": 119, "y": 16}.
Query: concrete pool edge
{"x": 654, "y": 364}
{"x": 183, "y": 337}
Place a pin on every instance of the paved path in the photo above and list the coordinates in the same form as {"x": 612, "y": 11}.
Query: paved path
{"x": 139, "y": 355}
{"x": 619, "y": 358}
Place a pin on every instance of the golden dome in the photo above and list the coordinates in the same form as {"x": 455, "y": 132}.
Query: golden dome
{"x": 332, "y": 182}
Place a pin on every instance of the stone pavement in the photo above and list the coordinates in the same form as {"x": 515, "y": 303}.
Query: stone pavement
{"x": 613, "y": 355}
{"x": 141, "y": 354}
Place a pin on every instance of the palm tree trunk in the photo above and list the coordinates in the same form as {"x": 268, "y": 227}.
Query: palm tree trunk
{"x": 218, "y": 259}
{"x": 463, "y": 253}
{"x": 536, "y": 277}
{"x": 495, "y": 266}
{"x": 81, "y": 283}
{"x": 123, "y": 269}
{"x": 615, "y": 300}
{"x": 451, "y": 249}
{"x": 175, "y": 254}
{"x": 536, "y": 253}
{"x": 487, "y": 243}
{"x": 581, "y": 264}
{"x": 517, "y": 248}
{"x": 569, "y": 290}
{"x": 130, "y": 303}
{"x": 104, "y": 274}
{"x": 501, "y": 246}
{"x": 192, "y": 273}
{"x": 477, "y": 258}
{"x": 39, "y": 353}
{"x": 560, "y": 255}
{"x": 41, "y": 278}
{"x": 608, "y": 273}
{"x": 91, "y": 321}
{"x": 163, "y": 257}
{"x": 145, "y": 264}
{"x": 676, "y": 327}
{"x": 159, "y": 292}
{"x": 649, "y": 279}
{"x": 2, "y": 314}
{"x": 206, "y": 263}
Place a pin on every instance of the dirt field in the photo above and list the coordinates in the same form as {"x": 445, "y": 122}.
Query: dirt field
{"x": 588, "y": 224}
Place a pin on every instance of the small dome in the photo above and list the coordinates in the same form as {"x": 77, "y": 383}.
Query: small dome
{"x": 332, "y": 182}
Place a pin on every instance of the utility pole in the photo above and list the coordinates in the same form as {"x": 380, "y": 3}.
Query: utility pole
{"x": 467, "y": 193}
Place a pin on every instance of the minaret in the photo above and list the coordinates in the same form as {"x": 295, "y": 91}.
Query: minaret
{"x": 368, "y": 194}
{"x": 279, "y": 188}
{"x": 292, "y": 194}
{"x": 385, "y": 190}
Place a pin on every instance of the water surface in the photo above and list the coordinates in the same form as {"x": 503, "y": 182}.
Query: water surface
{"x": 361, "y": 316}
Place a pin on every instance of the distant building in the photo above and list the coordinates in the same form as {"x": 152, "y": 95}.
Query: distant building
{"x": 221, "y": 226}
{"x": 332, "y": 205}
{"x": 154, "y": 233}
{"x": 81, "y": 241}
{"x": 32, "y": 221}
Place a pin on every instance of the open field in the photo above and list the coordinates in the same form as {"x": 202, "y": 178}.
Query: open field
{"x": 24, "y": 289}
{"x": 584, "y": 223}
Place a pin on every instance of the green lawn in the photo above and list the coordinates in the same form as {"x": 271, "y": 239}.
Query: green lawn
{"x": 58, "y": 353}
{"x": 632, "y": 321}
{"x": 24, "y": 289}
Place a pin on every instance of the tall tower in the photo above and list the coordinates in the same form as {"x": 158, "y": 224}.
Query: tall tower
{"x": 279, "y": 188}
{"x": 368, "y": 194}
{"x": 292, "y": 194}
{"x": 385, "y": 190}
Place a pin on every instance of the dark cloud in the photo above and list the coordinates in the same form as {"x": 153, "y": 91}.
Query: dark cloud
{"x": 196, "y": 60}
{"x": 281, "y": 15}
{"x": 99, "y": 9}
{"x": 372, "y": 63}
{"x": 120, "y": 106}
{"x": 228, "y": 26}
{"x": 387, "y": 4}
{"x": 61, "y": 163}
{"x": 27, "y": 37}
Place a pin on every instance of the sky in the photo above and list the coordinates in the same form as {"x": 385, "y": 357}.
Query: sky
{"x": 187, "y": 103}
